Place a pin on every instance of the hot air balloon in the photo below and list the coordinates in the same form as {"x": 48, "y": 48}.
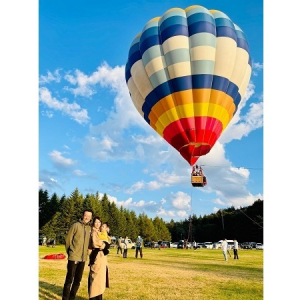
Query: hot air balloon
{"x": 187, "y": 72}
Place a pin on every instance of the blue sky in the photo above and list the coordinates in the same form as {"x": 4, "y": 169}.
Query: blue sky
{"x": 25, "y": 57}
{"x": 91, "y": 136}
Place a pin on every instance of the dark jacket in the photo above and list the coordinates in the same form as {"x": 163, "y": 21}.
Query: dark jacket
{"x": 77, "y": 241}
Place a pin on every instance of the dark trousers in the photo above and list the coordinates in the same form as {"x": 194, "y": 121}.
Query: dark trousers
{"x": 73, "y": 278}
{"x": 137, "y": 250}
{"x": 235, "y": 252}
{"x": 119, "y": 248}
{"x": 125, "y": 253}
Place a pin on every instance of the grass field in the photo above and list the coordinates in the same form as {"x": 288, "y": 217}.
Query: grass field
{"x": 171, "y": 274}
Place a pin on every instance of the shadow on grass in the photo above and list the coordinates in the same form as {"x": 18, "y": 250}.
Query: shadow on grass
{"x": 52, "y": 291}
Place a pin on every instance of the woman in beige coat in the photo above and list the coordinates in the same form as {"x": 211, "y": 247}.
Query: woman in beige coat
{"x": 98, "y": 275}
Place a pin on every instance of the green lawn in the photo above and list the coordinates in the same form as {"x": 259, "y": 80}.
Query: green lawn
{"x": 164, "y": 274}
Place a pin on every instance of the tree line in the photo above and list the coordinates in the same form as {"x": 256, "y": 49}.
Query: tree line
{"x": 57, "y": 214}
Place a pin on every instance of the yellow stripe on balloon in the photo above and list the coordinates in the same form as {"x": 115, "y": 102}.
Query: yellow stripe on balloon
{"x": 155, "y": 65}
{"x": 203, "y": 53}
{"x": 176, "y": 42}
{"x": 212, "y": 110}
{"x": 141, "y": 78}
{"x": 180, "y": 69}
{"x": 225, "y": 57}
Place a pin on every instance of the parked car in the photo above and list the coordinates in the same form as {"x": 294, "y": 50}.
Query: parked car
{"x": 208, "y": 245}
{"x": 259, "y": 246}
{"x": 165, "y": 244}
{"x": 174, "y": 245}
{"x": 147, "y": 244}
{"x": 253, "y": 244}
{"x": 180, "y": 245}
{"x": 130, "y": 244}
{"x": 200, "y": 245}
{"x": 246, "y": 245}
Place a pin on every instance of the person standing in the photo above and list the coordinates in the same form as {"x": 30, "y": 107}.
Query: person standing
{"x": 224, "y": 249}
{"x": 235, "y": 249}
{"x": 98, "y": 279}
{"x": 139, "y": 247}
{"x": 125, "y": 247}
{"x": 119, "y": 245}
{"x": 77, "y": 241}
{"x": 194, "y": 245}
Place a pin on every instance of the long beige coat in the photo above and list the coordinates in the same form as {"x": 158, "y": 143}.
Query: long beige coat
{"x": 98, "y": 276}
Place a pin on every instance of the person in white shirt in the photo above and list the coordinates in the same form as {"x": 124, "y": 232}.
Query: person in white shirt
{"x": 224, "y": 249}
{"x": 235, "y": 249}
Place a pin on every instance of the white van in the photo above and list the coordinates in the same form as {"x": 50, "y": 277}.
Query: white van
{"x": 130, "y": 244}
{"x": 208, "y": 245}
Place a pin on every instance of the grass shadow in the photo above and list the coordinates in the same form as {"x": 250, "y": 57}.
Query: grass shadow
{"x": 49, "y": 291}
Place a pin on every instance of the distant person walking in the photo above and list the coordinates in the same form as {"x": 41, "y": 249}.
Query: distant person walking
{"x": 139, "y": 247}
{"x": 77, "y": 241}
{"x": 119, "y": 245}
{"x": 224, "y": 249}
{"x": 235, "y": 249}
{"x": 125, "y": 247}
{"x": 194, "y": 245}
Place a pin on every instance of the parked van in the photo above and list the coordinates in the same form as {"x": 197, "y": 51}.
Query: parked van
{"x": 130, "y": 244}
{"x": 208, "y": 245}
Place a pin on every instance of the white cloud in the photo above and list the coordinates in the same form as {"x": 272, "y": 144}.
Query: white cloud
{"x": 60, "y": 161}
{"x": 50, "y": 77}
{"x": 256, "y": 67}
{"x": 73, "y": 110}
{"x": 79, "y": 173}
{"x": 181, "y": 201}
{"x": 219, "y": 201}
{"x": 135, "y": 187}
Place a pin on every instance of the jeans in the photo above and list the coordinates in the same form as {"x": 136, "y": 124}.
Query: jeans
{"x": 225, "y": 254}
{"x": 137, "y": 250}
{"x": 73, "y": 278}
{"x": 124, "y": 253}
{"x": 119, "y": 248}
{"x": 235, "y": 252}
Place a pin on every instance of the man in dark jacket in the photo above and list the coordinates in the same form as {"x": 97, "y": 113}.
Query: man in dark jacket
{"x": 77, "y": 241}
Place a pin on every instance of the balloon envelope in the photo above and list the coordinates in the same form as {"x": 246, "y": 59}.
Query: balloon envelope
{"x": 187, "y": 72}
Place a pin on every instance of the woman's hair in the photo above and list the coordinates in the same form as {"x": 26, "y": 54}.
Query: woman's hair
{"x": 96, "y": 218}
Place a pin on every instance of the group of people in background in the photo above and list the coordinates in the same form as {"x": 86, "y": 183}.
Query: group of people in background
{"x": 225, "y": 249}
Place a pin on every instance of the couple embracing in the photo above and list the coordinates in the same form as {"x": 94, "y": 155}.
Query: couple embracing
{"x": 81, "y": 241}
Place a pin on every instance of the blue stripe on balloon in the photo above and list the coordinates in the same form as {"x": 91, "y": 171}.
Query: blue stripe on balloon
{"x": 237, "y": 101}
{"x": 198, "y": 17}
{"x": 134, "y": 58}
{"x": 202, "y": 81}
{"x": 173, "y": 31}
{"x": 133, "y": 49}
{"x": 226, "y": 31}
{"x": 187, "y": 83}
{"x": 202, "y": 26}
{"x": 220, "y": 22}
{"x": 220, "y": 83}
{"x": 232, "y": 90}
{"x": 172, "y": 21}
{"x": 241, "y": 43}
{"x": 149, "y": 32}
{"x": 127, "y": 72}
{"x": 149, "y": 42}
